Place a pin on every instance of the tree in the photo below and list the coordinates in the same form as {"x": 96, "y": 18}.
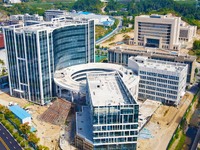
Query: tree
{"x": 88, "y": 5}
{"x": 196, "y": 44}
{"x": 196, "y": 70}
{"x": 41, "y": 147}
{"x": 25, "y": 128}
{"x": 24, "y": 143}
{"x": 97, "y": 46}
{"x": 2, "y": 109}
{"x": 126, "y": 37}
{"x": 2, "y": 62}
{"x": 97, "y": 52}
{"x": 33, "y": 138}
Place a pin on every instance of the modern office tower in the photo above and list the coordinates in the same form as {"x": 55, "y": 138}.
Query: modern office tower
{"x": 75, "y": 45}
{"x": 52, "y": 13}
{"x": 159, "y": 80}
{"x": 161, "y": 31}
{"x": 120, "y": 55}
{"x": 110, "y": 121}
{"x": 35, "y": 52}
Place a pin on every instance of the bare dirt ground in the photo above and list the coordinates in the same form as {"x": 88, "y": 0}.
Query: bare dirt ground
{"x": 117, "y": 38}
{"x": 163, "y": 124}
{"x": 3, "y": 16}
{"x": 6, "y": 98}
{"x": 48, "y": 133}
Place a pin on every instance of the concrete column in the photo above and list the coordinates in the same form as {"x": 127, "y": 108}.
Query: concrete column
{"x": 72, "y": 97}
{"x": 60, "y": 92}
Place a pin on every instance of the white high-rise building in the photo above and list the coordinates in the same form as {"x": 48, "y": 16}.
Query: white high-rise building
{"x": 159, "y": 80}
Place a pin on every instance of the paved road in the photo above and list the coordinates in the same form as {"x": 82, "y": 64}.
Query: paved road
{"x": 8, "y": 139}
{"x": 196, "y": 140}
{"x": 99, "y": 41}
{"x": 2, "y": 146}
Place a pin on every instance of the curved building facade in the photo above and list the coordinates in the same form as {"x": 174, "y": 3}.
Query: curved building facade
{"x": 73, "y": 45}
{"x": 35, "y": 52}
{"x": 71, "y": 81}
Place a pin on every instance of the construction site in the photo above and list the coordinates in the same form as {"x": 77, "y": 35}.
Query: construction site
{"x": 55, "y": 123}
{"x": 158, "y": 131}
{"x": 51, "y": 127}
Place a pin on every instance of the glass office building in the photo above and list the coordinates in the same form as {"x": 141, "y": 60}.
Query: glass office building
{"x": 33, "y": 55}
{"x": 112, "y": 117}
{"x": 74, "y": 46}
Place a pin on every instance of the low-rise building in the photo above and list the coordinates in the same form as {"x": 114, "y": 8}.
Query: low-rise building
{"x": 159, "y": 80}
{"x": 21, "y": 114}
{"x": 26, "y": 17}
{"x": 120, "y": 55}
{"x": 104, "y": 20}
{"x": 52, "y": 13}
{"x": 12, "y": 1}
{"x": 187, "y": 32}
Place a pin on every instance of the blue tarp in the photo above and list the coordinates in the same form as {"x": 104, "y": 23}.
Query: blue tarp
{"x": 19, "y": 112}
{"x": 145, "y": 134}
{"x": 33, "y": 129}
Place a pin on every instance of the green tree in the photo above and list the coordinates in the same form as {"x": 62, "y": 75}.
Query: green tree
{"x": 25, "y": 128}
{"x": 2, "y": 62}
{"x": 196, "y": 44}
{"x": 2, "y": 109}
{"x": 33, "y": 138}
{"x": 196, "y": 70}
{"x": 24, "y": 143}
{"x": 88, "y": 5}
{"x": 41, "y": 147}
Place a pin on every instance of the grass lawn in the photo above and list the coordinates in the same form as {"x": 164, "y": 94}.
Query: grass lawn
{"x": 100, "y": 31}
{"x": 99, "y": 58}
{"x": 181, "y": 142}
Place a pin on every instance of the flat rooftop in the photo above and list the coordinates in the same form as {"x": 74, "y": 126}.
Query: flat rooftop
{"x": 136, "y": 50}
{"x": 158, "y": 64}
{"x": 74, "y": 77}
{"x": 19, "y": 112}
{"x": 84, "y": 124}
{"x": 168, "y": 16}
{"x": 108, "y": 89}
{"x": 49, "y": 25}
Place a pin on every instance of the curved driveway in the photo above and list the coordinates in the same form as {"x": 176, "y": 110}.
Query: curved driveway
{"x": 109, "y": 35}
